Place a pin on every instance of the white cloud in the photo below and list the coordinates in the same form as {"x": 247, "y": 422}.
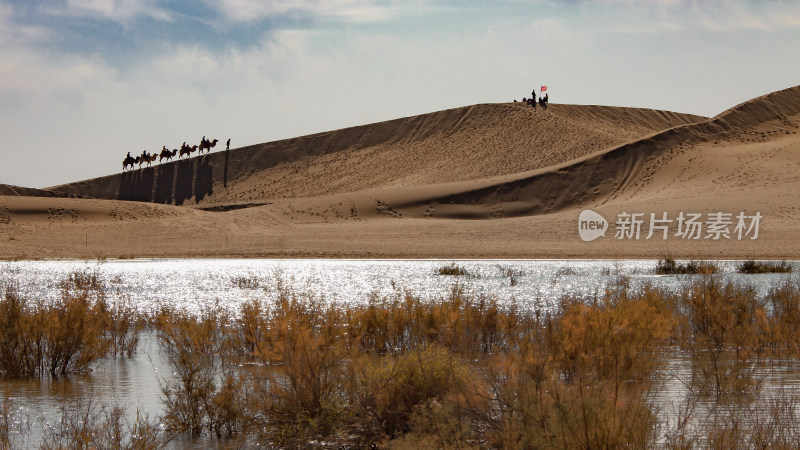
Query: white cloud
{"x": 691, "y": 16}
{"x": 352, "y": 11}
{"x": 13, "y": 34}
{"x": 42, "y": 82}
{"x": 116, "y": 10}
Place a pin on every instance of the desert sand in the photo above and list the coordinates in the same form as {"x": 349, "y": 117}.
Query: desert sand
{"x": 483, "y": 181}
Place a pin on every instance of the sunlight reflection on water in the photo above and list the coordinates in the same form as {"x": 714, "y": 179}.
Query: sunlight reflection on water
{"x": 195, "y": 284}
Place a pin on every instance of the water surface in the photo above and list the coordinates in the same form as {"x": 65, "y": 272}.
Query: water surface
{"x": 196, "y": 284}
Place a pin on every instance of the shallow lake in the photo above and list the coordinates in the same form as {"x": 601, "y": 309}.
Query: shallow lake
{"x": 195, "y": 284}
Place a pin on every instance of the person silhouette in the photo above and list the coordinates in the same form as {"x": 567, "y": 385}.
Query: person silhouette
{"x": 229, "y": 144}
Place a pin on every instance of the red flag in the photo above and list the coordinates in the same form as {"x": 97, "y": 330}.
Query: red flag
{"x": 544, "y": 88}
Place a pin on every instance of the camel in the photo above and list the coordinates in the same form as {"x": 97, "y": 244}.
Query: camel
{"x": 187, "y": 151}
{"x": 166, "y": 154}
{"x": 207, "y": 145}
{"x": 146, "y": 158}
{"x": 128, "y": 161}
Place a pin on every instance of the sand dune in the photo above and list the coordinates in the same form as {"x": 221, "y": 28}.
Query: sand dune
{"x": 7, "y": 189}
{"x": 454, "y": 145}
{"x": 497, "y": 180}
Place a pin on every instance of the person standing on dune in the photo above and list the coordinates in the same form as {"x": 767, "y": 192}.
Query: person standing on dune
{"x": 229, "y": 144}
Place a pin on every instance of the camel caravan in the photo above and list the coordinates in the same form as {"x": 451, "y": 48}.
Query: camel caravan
{"x": 146, "y": 159}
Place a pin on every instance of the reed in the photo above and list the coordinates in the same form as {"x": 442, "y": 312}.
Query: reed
{"x": 204, "y": 394}
{"x": 464, "y": 371}
{"x": 668, "y": 266}
{"x": 14, "y": 426}
{"x": 91, "y": 424}
{"x": 752, "y": 266}
{"x": 452, "y": 269}
{"x": 67, "y": 335}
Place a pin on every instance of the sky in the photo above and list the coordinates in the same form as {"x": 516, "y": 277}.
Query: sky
{"x": 83, "y": 82}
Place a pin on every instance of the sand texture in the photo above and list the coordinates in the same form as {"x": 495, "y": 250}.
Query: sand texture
{"x": 492, "y": 180}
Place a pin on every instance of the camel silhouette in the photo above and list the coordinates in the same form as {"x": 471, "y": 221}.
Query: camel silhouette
{"x": 128, "y": 161}
{"x": 207, "y": 145}
{"x": 187, "y": 151}
{"x": 166, "y": 154}
{"x": 146, "y": 158}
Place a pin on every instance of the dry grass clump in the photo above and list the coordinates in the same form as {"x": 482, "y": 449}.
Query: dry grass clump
{"x": 668, "y": 266}
{"x": 512, "y": 274}
{"x": 242, "y": 282}
{"x": 580, "y": 380}
{"x": 452, "y": 269}
{"x": 782, "y": 331}
{"x": 84, "y": 424}
{"x": 733, "y": 339}
{"x": 67, "y": 335}
{"x": 204, "y": 393}
{"x": 725, "y": 330}
{"x": 14, "y": 428}
{"x": 752, "y": 266}
{"x": 92, "y": 425}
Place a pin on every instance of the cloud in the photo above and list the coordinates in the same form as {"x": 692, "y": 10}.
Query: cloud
{"x": 349, "y": 11}
{"x": 690, "y": 16}
{"x": 13, "y": 34}
{"x": 117, "y": 10}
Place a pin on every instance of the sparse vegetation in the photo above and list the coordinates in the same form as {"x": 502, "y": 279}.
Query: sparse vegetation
{"x": 512, "y": 274}
{"x": 462, "y": 371}
{"x": 246, "y": 282}
{"x": 67, "y": 335}
{"x": 14, "y": 428}
{"x": 90, "y": 424}
{"x": 668, "y": 266}
{"x": 752, "y": 266}
{"x": 452, "y": 269}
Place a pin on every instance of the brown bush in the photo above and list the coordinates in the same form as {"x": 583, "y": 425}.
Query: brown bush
{"x": 204, "y": 394}
{"x": 464, "y": 372}
{"x": 386, "y": 390}
{"x": 66, "y": 335}
{"x": 723, "y": 329}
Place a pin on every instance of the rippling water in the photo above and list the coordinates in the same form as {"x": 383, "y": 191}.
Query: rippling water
{"x": 194, "y": 284}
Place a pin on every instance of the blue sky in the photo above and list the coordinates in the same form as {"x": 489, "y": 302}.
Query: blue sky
{"x": 82, "y": 82}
